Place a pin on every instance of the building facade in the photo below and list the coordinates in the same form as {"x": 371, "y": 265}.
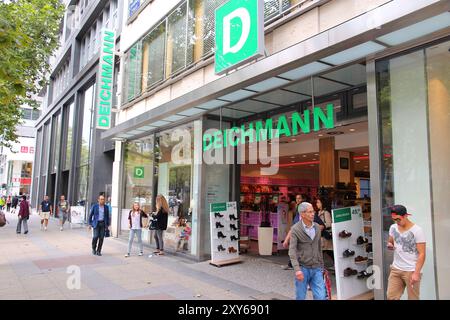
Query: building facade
{"x": 16, "y": 164}
{"x": 68, "y": 143}
{"x": 379, "y": 73}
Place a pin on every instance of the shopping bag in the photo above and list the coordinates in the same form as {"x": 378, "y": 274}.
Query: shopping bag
{"x": 326, "y": 279}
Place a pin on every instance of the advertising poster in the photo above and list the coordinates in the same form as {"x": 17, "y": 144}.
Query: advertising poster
{"x": 77, "y": 214}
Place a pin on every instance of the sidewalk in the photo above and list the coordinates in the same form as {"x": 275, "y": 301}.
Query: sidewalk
{"x": 34, "y": 266}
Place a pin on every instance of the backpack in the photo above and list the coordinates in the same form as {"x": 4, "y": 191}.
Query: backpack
{"x": 2, "y": 219}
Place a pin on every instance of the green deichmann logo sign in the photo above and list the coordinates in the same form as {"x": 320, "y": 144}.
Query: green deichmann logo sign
{"x": 239, "y": 33}
{"x": 106, "y": 80}
{"x": 139, "y": 172}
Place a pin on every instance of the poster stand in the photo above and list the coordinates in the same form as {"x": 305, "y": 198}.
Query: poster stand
{"x": 224, "y": 234}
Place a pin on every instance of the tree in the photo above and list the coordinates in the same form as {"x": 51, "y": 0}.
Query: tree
{"x": 29, "y": 31}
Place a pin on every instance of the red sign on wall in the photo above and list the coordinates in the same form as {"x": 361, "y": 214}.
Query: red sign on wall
{"x": 24, "y": 149}
{"x": 25, "y": 181}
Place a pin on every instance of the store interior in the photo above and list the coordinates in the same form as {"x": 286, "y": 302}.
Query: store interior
{"x": 331, "y": 164}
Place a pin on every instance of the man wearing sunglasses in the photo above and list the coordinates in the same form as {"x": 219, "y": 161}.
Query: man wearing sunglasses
{"x": 408, "y": 242}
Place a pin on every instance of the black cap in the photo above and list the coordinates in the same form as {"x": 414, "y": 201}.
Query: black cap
{"x": 399, "y": 210}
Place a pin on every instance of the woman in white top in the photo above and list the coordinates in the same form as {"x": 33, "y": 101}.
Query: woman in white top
{"x": 135, "y": 223}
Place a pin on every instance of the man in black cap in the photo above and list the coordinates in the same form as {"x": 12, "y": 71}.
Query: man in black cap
{"x": 408, "y": 242}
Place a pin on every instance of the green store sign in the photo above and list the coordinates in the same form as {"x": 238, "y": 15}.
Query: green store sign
{"x": 239, "y": 33}
{"x": 139, "y": 172}
{"x": 261, "y": 131}
{"x": 106, "y": 79}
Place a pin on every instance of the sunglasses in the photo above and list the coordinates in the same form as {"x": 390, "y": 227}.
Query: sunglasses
{"x": 397, "y": 219}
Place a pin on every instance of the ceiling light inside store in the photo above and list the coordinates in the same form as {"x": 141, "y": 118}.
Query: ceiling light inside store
{"x": 292, "y": 161}
{"x": 352, "y": 130}
{"x": 314, "y": 159}
{"x": 293, "y": 139}
{"x": 366, "y": 154}
{"x": 292, "y": 157}
{"x": 316, "y": 154}
{"x": 357, "y": 161}
{"x": 320, "y": 135}
{"x": 304, "y": 156}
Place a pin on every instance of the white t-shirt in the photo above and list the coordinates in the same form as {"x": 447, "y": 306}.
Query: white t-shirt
{"x": 406, "y": 254}
{"x": 136, "y": 220}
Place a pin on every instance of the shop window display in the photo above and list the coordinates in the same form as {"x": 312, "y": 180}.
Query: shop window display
{"x": 173, "y": 179}
{"x": 138, "y": 177}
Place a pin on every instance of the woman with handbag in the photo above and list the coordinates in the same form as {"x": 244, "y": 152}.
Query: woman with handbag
{"x": 135, "y": 218}
{"x": 161, "y": 217}
{"x": 325, "y": 216}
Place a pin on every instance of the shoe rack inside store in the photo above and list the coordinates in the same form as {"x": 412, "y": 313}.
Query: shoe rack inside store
{"x": 277, "y": 190}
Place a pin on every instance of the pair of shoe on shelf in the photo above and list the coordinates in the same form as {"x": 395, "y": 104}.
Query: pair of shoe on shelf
{"x": 230, "y": 249}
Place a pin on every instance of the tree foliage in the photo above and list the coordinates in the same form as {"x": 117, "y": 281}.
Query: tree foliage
{"x": 29, "y": 31}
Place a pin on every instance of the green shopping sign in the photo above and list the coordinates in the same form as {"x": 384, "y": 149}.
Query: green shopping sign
{"x": 239, "y": 33}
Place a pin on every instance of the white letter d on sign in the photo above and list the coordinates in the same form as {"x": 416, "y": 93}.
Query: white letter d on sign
{"x": 244, "y": 15}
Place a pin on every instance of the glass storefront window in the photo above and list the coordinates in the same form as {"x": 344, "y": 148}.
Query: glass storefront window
{"x": 69, "y": 136}
{"x": 87, "y": 125}
{"x": 174, "y": 158}
{"x": 413, "y": 99}
{"x": 139, "y": 174}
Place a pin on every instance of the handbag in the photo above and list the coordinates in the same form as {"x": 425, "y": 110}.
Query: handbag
{"x": 326, "y": 233}
{"x": 107, "y": 233}
{"x": 153, "y": 225}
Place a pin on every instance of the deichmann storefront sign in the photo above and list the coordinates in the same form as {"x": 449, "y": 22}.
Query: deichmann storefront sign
{"x": 257, "y": 131}
{"x": 106, "y": 79}
{"x": 239, "y": 33}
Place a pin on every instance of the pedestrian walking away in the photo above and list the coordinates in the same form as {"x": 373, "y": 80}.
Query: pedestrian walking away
{"x": 63, "y": 211}
{"x": 161, "y": 217}
{"x": 305, "y": 251}
{"x": 2, "y": 202}
{"x": 24, "y": 215}
{"x": 45, "y": 211}
{"x": 135, "y": 222}
{"x": 408, "y": 242}
{"x": 99, "y": 221}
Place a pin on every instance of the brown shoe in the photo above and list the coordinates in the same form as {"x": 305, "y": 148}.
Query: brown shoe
{"x": 350, "y": 272}
{"x": 360, "y": 259}
{"x": 345, "y": 234}
{"x": 231, "y": 250}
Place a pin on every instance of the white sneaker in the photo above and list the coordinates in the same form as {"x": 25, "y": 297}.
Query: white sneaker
{"x": 127, "y": 255}
{"x": 61, "y": 229}
{"x": 45, "y": 228}
{"x": 140, "y": 254}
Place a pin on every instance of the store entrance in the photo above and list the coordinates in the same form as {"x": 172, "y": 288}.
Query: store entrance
{"x": 322, "y": 158}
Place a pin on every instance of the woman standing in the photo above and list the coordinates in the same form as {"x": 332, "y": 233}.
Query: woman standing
{"x": 135, "y": 222}
{"x": 325, "y": 216}
{"x": 161, "y": 217}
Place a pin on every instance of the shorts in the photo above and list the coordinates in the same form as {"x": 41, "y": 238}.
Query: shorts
{"x": 63, "y": 217}
{"x": 44, "y": 215}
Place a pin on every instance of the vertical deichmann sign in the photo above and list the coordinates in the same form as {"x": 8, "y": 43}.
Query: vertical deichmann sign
{"x": 239, "y": 33}
{"x": 106, "y": 79}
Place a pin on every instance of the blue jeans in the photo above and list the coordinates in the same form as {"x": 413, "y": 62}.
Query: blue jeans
{"x": 314, "y": 278}
{"x": 138, "y": 233}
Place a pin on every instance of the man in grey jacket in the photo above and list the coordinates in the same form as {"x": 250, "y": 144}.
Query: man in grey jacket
{"x": 306, "y": 256}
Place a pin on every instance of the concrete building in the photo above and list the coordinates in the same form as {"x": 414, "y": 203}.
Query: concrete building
{"x": 16, "y": 164}
{"x": 382, "y": 66}
{"x": 67, "y": 142}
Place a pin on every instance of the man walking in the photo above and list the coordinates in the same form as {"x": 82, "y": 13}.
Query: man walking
{"x": 408, "y": 242}
{"x": 24, "y": 215}
{"x": 305, "y": 251}
{"x": 45, "y": 210}
{"x": 63, "y": 211}
{"x": 99, "y": 221}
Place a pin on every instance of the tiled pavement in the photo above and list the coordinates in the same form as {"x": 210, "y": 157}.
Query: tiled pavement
{"x": 34, "y": 266}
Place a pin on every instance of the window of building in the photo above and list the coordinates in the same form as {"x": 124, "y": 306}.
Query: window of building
{"x": 132, "y": 66}
{"x": 56, "y": 143}
{"x": 153, "y": 56}
{"x": 68, "y": 138}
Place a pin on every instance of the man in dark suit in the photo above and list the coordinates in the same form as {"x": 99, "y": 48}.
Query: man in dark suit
{"x": 99, "y": 220}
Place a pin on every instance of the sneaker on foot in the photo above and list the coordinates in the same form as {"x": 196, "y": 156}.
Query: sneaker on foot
{"x": 61, "y": 229}
{"x": 140, "y": 254}
{"x": 127, "y": 255}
